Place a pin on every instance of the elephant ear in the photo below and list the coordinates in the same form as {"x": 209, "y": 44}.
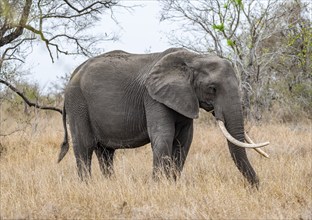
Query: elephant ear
{"x": 169, "y": 82}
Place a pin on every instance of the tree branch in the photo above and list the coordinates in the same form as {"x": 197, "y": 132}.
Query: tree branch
{"x": 20, "y": 27}
{"x": 40, "y": 33}
{"x": 29, "y": 103}
{"x": 4, "y": 55}
{"x": 106, "y": 4}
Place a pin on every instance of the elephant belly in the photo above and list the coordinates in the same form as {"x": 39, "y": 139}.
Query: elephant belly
{"x": 122, "y": 139}
{"x": 120, "y": 129}
{"x": 115, "y": 143}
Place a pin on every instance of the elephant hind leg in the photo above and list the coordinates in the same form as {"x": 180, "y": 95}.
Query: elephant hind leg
{"x": 83, "y": 142}
{"x": 83, "y": 160}
{"x": 105, "y": 157}
{"x": 83, "y": 145}
{"x": 81, "y": 130}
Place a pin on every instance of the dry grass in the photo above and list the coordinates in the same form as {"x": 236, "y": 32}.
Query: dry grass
{"x": 33, "y": 185}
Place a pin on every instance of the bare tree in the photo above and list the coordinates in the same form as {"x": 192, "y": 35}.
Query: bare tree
{"x": 237, "y": 30}
{"x": 59, "y": 24}
{"x": 63, "y": 26}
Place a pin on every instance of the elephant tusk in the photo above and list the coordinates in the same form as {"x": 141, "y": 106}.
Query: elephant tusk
{"x": 231, "y": 139}
{"x": 248, "y": 139}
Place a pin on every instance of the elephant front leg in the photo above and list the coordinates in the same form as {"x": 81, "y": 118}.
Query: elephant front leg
{"x": 182, "y": 143}
{"x": 162, "y": 157}
{"x": 161, "y": 129}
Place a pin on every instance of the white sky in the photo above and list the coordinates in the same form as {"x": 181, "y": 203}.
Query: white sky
{"x": 139, "y": 31}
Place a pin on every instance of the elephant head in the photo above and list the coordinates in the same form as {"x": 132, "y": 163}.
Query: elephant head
{"x": 185, "y": 81}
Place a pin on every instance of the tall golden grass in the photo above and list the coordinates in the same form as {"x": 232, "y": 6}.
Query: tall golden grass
{"x": 33, "y": 185}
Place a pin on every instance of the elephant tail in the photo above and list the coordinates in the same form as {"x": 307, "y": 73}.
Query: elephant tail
{"x": 64, "y": 145}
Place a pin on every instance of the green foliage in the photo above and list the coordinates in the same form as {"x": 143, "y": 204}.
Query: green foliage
{"x": 293, "y": 100}
{"x": 302, "y": 94}
{"x": 218, "y": 27}
{"x": 230, "y": 43}
{"x": 238, "y": 3}
{"x": 5, "y": 9}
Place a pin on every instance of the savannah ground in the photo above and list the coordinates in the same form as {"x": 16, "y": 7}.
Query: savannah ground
{"x": 33, "y": 185}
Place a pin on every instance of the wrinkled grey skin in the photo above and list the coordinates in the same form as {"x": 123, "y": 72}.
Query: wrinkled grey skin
{"x": 122, "y": 100}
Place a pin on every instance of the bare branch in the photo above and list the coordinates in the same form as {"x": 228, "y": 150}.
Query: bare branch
{"x": 6, "y": 51}
{"x": 29, "y": 103}
{"x": 106, "y": 4}
{"x": 40, "y": 33}
{"x": 46, "y": 21}
{"x": 19, "y": 28}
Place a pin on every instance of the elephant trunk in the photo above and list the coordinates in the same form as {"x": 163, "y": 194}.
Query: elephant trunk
{"x": 234, "y": 123}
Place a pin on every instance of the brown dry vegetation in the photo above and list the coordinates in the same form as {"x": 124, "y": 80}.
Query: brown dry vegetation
{"x": 33, "y": 185}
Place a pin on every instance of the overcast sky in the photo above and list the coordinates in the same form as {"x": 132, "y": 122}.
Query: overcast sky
{"x": 139, "y": 31}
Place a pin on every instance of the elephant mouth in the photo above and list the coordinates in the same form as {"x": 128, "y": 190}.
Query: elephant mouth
{"x": 207, "y": 105}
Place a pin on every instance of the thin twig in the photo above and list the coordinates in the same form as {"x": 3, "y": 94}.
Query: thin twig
{"x": 10, "y": 133}
{"x": 107, "y": 4}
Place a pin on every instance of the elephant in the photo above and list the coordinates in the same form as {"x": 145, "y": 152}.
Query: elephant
{"x": 122, "y": 100}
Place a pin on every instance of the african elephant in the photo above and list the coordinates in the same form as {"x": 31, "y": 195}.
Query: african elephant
{"x": 122, "y": 100}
